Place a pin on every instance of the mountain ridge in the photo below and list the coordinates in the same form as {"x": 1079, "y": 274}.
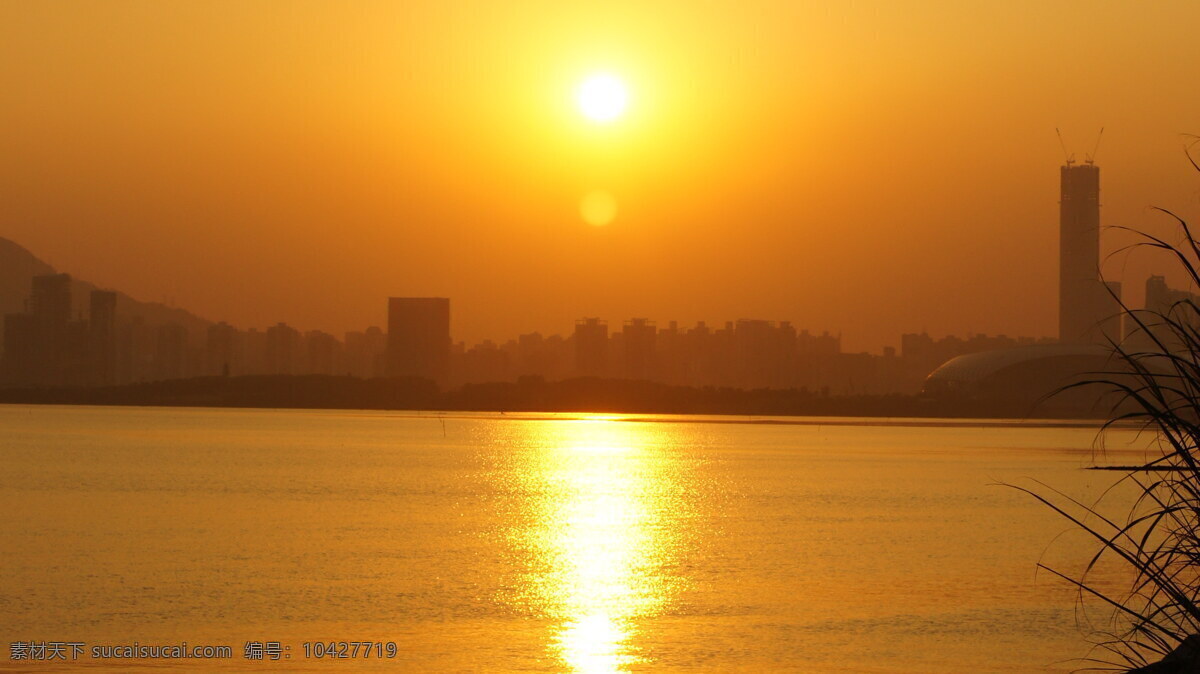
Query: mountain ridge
{"x": 18, "y": 266}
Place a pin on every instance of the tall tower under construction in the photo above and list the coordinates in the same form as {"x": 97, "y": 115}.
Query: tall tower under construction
{"x": 1087, "y": 311}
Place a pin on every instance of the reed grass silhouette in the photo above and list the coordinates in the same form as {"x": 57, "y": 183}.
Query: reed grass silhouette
{"x": 1154, "y": 382}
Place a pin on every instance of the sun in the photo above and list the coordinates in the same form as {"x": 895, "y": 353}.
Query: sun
{"x": 602, "y": 97}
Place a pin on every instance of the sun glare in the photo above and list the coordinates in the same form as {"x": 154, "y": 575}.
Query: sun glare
{"x": 598, "y": 208}
{"x": 602, "y": 97}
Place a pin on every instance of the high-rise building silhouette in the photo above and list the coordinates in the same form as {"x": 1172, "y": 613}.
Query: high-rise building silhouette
{"x": 50, "y": 307}
{"x": 365, "y": 352}
{"x": 20, "y": 350}
{"x": 765, "y": 353}
{"x": 102, "y": 338}
{"x": 1086, "y": 309}
{"x": 591, "y": 347}
{"x": 324, "y": 353}
{"x": 418, "y": 340}
{"x": 50, "y": 301}
{"x": 282, "y": 349}
{"x": 1162, "y": 301}
{"x": 170, "y": 351}
{"x": 221, "y": 349}
{"x": 639, "y": 334}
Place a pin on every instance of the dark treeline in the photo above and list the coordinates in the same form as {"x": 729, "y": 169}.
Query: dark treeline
{"x": 529, "y": 394}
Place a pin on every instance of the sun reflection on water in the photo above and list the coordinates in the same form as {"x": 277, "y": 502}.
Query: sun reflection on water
{"x": 600, "y": 539}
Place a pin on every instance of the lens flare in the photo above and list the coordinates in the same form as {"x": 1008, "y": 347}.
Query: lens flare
{"x": 598, "y": 208}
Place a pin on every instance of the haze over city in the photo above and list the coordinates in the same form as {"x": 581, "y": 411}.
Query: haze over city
{"x": 869, "y": 170}
{"x": 600, "y": 337}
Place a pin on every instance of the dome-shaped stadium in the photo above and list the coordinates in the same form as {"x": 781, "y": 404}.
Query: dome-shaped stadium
{"x": 1025, "y": 374}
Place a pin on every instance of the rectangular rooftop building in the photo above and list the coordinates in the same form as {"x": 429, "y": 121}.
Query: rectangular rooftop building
{"x": 418, "y": 339}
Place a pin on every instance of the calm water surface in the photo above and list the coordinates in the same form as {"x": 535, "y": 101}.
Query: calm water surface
{"x": 543, "y": 543}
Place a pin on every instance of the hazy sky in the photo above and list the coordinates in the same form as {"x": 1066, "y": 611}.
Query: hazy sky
{"x": 869, "y": 168}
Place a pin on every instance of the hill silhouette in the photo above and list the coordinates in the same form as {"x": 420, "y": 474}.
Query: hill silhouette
{"x": 18, "y": 266}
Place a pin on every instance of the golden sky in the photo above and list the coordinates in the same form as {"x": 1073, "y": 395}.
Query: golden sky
{"x": 869, "y": 168}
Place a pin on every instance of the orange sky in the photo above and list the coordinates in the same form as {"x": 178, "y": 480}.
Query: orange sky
{"x": 857, "y": 167}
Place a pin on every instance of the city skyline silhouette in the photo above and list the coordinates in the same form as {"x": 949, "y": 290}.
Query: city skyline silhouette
{"x": 783, "y": 164}
{"x": 600, "y": 337}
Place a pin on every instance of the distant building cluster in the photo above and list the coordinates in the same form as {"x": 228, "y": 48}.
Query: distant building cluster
{"x": 1162, "y": 299}
{"x": 1089, "y": 308}
{"x": 744, "y": 354}
{"x": 1091, "y": 318}
{"x": 46, "y": 346}
{"x": 1162, "y": 302}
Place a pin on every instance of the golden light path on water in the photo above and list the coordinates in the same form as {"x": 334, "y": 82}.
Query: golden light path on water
{"x": 600, "y": 537}
{"x": 545, "y": 543}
